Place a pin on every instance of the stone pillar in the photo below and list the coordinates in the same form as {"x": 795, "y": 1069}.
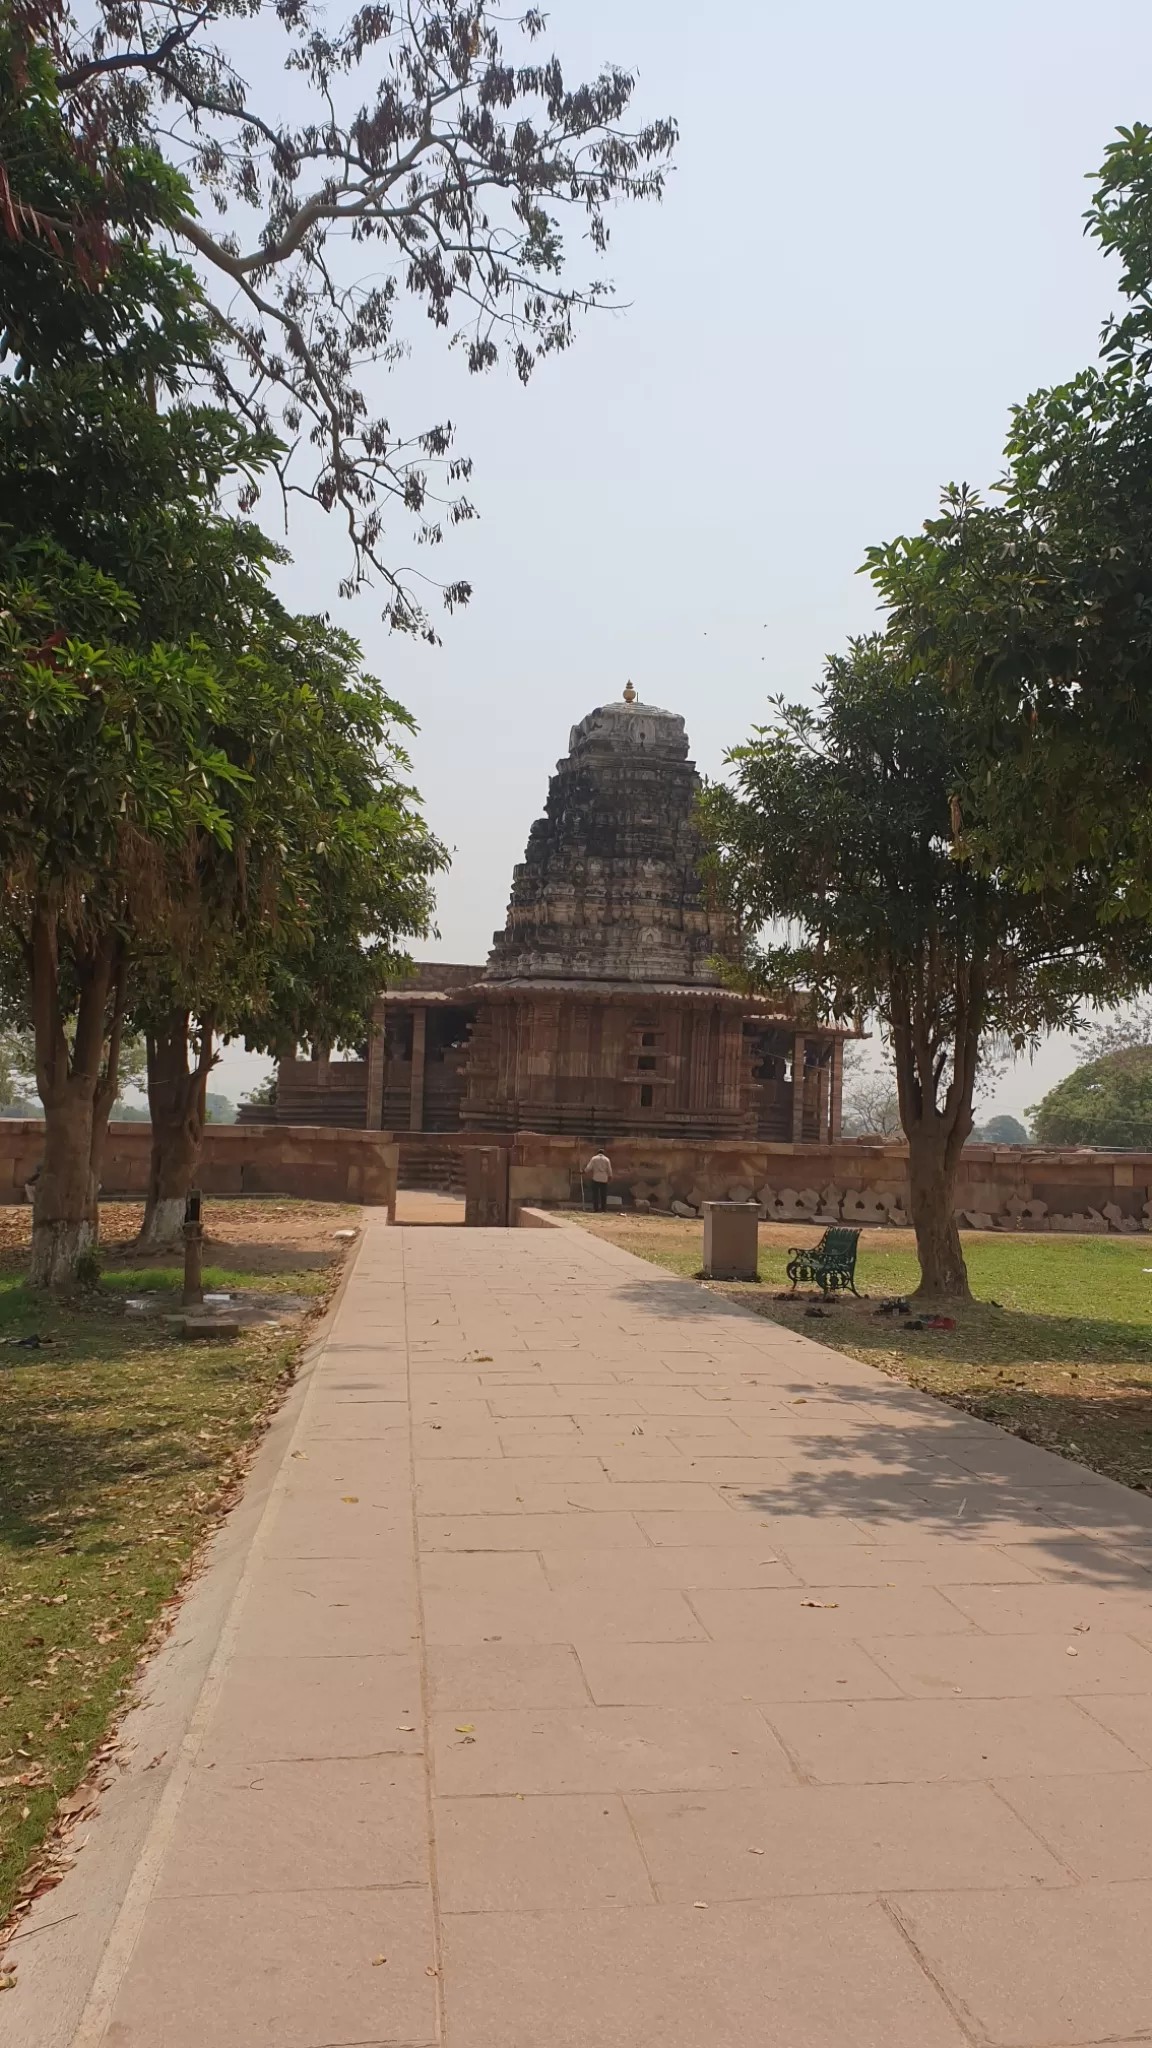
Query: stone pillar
{"x": 798, "y": 1089}
{"x": 822, "y": 1079}
{"x": 419, "y": 1042}
{"x": 836, "y": 1092}
{"x": 377, "y": 1060}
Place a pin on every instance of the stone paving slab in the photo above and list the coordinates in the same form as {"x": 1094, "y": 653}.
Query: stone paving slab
{"x": 618, "y": 1670}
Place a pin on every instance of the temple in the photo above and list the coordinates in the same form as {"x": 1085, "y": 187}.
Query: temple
{"x": 600, "y": 1012}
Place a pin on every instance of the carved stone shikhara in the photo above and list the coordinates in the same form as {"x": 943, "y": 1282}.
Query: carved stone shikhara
{"x": 610, "y": 887}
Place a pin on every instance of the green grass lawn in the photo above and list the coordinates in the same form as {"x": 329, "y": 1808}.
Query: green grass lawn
{"x": 1057, "y": 1345}
{"x": 119, "y": 1443}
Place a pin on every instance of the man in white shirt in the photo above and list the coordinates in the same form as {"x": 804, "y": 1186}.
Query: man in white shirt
{"x": 599, "y": 1172}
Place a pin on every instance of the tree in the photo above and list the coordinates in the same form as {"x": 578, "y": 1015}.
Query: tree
{"x": 108, "y": 769}
{"x": 116, "y": 573}
{"x": 1003, "y": 1130}
{"x": 290, "y": 922}
{"x": 1036, "y": 608}
{"x": 410, "y": 134}
{"x": 1107, "y": 1102}
{"x": 837, "y": 823}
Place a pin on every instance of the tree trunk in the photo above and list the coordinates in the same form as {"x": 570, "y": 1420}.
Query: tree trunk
{"x": 176, "y": 1105}
{"x": 934, "y": 1159}
{"x": 63, "y": 1227}
{"x": 77, "y": 1086}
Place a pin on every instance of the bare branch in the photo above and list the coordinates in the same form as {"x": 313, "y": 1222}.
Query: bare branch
{"x": 460, "y": 165}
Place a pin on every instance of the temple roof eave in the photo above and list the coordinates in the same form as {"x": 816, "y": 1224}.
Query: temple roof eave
{"x": 754, "y": 1007}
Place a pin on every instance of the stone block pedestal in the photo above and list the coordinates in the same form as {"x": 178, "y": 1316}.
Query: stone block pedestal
{"x": 730, "y": 1243}
{"x": 486, "y": 1187}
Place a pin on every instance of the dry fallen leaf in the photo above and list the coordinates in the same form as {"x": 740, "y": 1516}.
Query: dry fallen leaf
{"x": 755, "y": 1852}
{"x": 701, "y": 1905}
{"x": 819, "y": 1603}
{"x": 406, "y": 1728}
{"x": 7, "y": 1980}
{"x": 351, "y": 1498}
{"x": 430, "y": 1972}
{"x": 377, "y": 1960}
{"x": 1070, "y": 1652}
{"x": 464, "y": 1727}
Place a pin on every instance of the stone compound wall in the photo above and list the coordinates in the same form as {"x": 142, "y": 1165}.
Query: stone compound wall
{"x": 1005, "y": 1187}
{"x": 1000, "y": 1186}
{"x": 310, "y": 1161}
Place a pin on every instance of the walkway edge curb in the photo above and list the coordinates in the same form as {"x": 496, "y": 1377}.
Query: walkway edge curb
{"x": 73, "y": 1949}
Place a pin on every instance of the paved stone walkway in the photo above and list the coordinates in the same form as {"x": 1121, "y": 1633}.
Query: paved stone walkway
{"x": 617, "y": 1670}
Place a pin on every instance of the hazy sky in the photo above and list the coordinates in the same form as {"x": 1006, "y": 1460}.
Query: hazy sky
{"x": 871, "y": 246}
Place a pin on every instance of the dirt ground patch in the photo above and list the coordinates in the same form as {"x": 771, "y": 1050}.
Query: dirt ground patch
{"x": 271, "y": 1235}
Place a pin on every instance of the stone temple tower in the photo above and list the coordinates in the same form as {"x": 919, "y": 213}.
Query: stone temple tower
{"x": 599, "y": 1013}
{"x": 602, "y": 1011}
{"x": 609, "y": 890}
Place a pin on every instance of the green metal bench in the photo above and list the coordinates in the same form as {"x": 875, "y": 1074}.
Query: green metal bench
{"x": 832, "y": 1262}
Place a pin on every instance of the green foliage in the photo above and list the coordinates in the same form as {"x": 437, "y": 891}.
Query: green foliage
{"x": 290, "y": 922}
{"x": 118, "y": 489}
{"x": 80, "y": 279}
{"x": 108, "y": 752}
{"x": 838, "y": 823}
{"x": 219, "y": 1109}
{"x": 1036, "y": 609}
{"x": 297, "y": 918}
{"x": 1108, "y": 1102}
{"x": 1002, "y": 1130}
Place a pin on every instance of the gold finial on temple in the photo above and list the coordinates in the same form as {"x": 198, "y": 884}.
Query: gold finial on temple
{"x": 629, "y": 694}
